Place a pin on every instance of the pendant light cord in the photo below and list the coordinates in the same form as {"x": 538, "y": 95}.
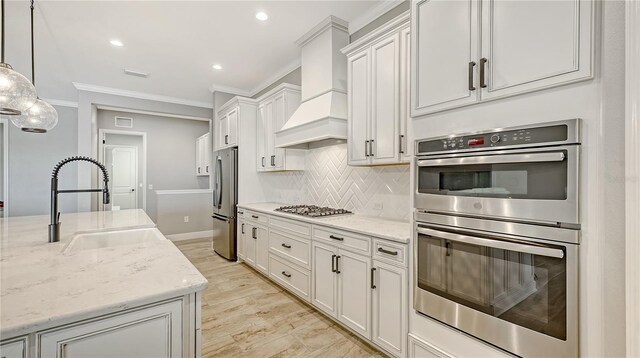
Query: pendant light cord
{"x": 33, "y": 65}
{"x": 2, "y": 49}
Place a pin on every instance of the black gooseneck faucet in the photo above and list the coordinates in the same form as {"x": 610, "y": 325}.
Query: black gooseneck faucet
{"x": 54, "y": 227}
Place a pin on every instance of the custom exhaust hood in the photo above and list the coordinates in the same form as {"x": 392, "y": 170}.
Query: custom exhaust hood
{"x": 322, "y": 114}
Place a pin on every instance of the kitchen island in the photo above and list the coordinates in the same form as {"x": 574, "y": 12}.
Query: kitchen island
{"x": 113, "y": 284}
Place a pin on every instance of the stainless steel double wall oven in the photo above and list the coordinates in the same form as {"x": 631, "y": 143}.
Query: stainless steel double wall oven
{"x": 498, "y": 233}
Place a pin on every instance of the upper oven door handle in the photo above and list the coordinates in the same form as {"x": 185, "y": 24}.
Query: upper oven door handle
{"x": 499, "y": 244}
{"x": 495, "y": 159}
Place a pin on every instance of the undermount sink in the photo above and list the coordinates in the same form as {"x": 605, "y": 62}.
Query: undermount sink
{"x": 101, "y": 240}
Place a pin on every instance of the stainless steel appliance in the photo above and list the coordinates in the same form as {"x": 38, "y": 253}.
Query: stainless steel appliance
{"x": 497, "y": 236}
{"x": 225, "y": 198}
{"x": 312, "y": 210}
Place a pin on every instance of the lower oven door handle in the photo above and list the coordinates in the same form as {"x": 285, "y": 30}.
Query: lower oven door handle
{"x": 495, "y": 159}
{"x": 498, "y": 244}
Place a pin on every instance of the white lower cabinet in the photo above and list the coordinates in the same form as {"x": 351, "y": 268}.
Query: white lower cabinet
{"x": 337, "y": 272}
{"x": 240, "y": 239}
{"x": 16, "y": 348}
{"x": 421, "y": 349}
{"x": 156, "y": 331}
{"x": 389, "y": 286}
{"x": 342, "y": 286}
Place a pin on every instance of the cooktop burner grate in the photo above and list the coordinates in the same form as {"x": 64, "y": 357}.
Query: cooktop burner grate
{"x": 312, "y": 210}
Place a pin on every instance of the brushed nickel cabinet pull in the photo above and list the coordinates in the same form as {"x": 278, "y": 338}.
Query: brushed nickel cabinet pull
{"x": 273, "y": 160}
{"x": 243, "y": 228}
{"x": 366, "y": 148}
{"x": 472, "y": 64}
{"x": 333, "y": 263}
{"x": 336, "y": 237}
{"x": 226, "y": 139}
{"x": 371, "y": 148}
{"x": 338, "y": 264}
{"x": 263, "y": 162}
{"x": 401, "y": 143}
{"x": 483, "y": 63}
{"x": 285, "y": 274}
{"x": 373, "y": 278}
{"x": 286, "y": 246}
{"x": 254, "y": 216}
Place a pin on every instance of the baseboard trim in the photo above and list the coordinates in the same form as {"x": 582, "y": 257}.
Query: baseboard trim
{"x": 190, "y": 235}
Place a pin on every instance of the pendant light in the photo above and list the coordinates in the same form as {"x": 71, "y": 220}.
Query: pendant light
{"x": 16, "y": 92}
{"x": 41, "y": 116}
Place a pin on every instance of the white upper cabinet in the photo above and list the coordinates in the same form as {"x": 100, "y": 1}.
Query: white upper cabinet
{"x": 229, "y": 119}
{"x": 531, "y": 45}
{"x": 405, "y": 102}
{"x": 203, "y": 155}
{"x": 377, "y": 83}
{"x": 445, "y": 49}
{"x": 526, "y": 46}
{"x": 274, "y": 110}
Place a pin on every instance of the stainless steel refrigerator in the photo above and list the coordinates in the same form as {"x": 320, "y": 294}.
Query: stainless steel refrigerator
{"x": 225, "y": 198}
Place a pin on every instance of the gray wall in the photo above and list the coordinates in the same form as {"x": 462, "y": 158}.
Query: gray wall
{"x": 31, "y": 160}
{"x": 173, "y": 207}
{"x": 132, "y": 141}
{"x": 402, "y": 7}
{"x": 294, "y": 77}
{"x": 171, "y": 151}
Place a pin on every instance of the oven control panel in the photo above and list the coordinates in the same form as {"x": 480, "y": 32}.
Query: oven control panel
{"x": 495, "y": 139}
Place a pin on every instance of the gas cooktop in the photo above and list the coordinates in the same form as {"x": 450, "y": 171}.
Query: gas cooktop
{"x": 312, "y": 210}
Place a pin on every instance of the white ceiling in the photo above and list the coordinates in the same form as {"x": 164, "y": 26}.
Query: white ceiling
{"x": 176, "y": 41}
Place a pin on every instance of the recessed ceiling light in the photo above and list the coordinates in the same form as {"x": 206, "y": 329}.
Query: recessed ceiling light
{"x": 262, "y": 16}
{"x": 217, "y": 67}
{"x": 116, "y": 43}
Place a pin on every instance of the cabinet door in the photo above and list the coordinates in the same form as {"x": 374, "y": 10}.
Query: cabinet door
{"x": 354, "y": 293}
{"x": 324, "y": 279}
{"x": 150, "y": 332}
{"x": 358, "y": 115}
{"x": 530, "y": 45}
{"x": 444, "y": 42}
{"x": 250, "y": 240}
{"x": 385, "y": 99}
{"x": 232, "y": 125}
{"x": 261, "y": 139}
{"x": 223, "y": 134}
{"x": 206, "y": 155}
{"x": 14, "y": 349}
{"x": 279, "y": 119}
{"x": 242, "y": 230}
{"x": 199, "y": 156}
{"x": 262, "y": 249}
{"x": 389, "y": 287}
{"x": 406, "y": 150}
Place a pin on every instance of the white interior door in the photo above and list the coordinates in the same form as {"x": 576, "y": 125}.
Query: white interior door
{"x": 122, "y": 163}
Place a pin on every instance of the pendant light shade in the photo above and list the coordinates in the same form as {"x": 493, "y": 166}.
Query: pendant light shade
{"x": 39, "y": 118}
{"x": 17, "y": 93}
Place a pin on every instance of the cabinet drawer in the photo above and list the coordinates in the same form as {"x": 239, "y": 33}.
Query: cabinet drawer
{"x": 292, "y": 278}
{"x": 390, "y": 252}
{"x": 344, "y": 239}
{"x": 297, "y": 227}
{"x": 241, "y": 214}
{"x": 15, "y": 348}
{"x": 295, "y": 249}
{"x": 256, "y": 217}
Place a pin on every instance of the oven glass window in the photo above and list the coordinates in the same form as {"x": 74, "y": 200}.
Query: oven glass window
{"x": 535, "y": 180}
{"x": 525, "y": 289}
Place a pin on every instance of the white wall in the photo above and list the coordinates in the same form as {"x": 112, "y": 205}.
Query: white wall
{"x": 171, "y": 151}
{"x": 31, "y": 161}
{"x": 599, "y": 103}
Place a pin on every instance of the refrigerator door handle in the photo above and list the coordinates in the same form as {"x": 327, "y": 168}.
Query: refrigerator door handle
{"x": 220, "y": 217}
{"x": 219, "y": 180}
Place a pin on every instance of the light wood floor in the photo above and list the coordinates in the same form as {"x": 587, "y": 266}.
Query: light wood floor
{"x": 246, "y": 315}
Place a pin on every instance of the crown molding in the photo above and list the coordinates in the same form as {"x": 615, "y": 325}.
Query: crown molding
{"x": 151, "y": 113}
{"x": 373, "y": 13}
{"x": 290, "y": 67}
{"x": 61, "y": 102}
{"x": 140, "y": 95}
{"x": 231, "y": 90}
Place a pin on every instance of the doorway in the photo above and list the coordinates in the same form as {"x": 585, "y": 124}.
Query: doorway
{"x": 124, "y": 154}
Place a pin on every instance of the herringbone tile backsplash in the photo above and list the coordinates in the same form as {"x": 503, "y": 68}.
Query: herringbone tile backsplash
{"x": 329, "y": 181}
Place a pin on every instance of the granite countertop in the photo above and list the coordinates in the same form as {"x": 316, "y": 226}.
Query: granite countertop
{"x": 41, "y": 286}
{"x": 394, "y": 230}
